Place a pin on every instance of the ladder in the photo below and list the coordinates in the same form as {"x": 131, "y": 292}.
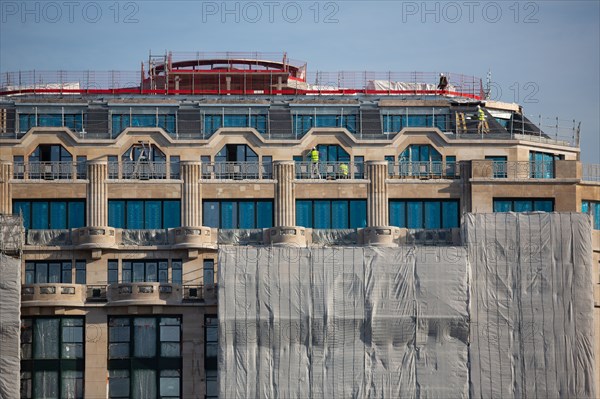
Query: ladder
{"x": 461, "y": 124}
{"x": 142, "y": 169}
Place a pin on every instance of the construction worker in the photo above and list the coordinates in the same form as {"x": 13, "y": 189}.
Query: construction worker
{"x": 344, "y": 170}
{"x": 443, "y": 82}
{"x": 481, "y": 127}
{"x": 314, "y": 158}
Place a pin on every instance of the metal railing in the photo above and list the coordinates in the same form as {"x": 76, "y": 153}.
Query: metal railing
{"x": 53, "y": 170}
{"x": 143, "y": 170}
{"x": 517, "y": 170}
{"x": 423, "y": 170}
{"x": 330, "y": 170}
{"x": 591, "y": 172}
{"x": 237, "y": 171}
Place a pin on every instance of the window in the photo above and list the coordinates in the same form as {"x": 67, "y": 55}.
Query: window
{"x": 54, "y": 214}
{"x": 113, "y": 272}
{"x": 52, "y": 357}
{"x": 174, "y": 166}
{"x": 302, "y": 123}
{"x": 236, "y": 153}
{"x": 72, "y": 121}
{"x": 499, "y": 166}
{"x": 523, "y": 205}
{"x": 332, "y": 153}
{"x": 542, "y": 165}
{"x": 331, "y": 214}
{"x": 451, "y": 165}
{"x": 43, "y": 272}
{"x": 80, "y": 277}
{"x": 212, "y": 122}
{"x": 238, "y": 214}
{"x": 394, "y": 123}
{"x": 593, "y": 208}
{"x": 176, "y": 272}
{"x": 50, "y": 153}
{"x": 122, "y": 121}
{"x": 209, "y": 272}
{"x": 359, "y": 167}
{"x": 145, "y": 271}
{"x": 81, "y": 167}
{"x": 144, "y": 214}
{"x": 420, "y": 153}
{"x": 144, "y": 357}
{"x": 211, "y": 350}
{"x": 424, "y": 214}
{"x": 18, "y": 167}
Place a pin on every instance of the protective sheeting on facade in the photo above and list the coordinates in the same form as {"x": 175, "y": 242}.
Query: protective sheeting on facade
{"x": 385, "y": 85}
{"x": 145, "y": 237}
{"x": 342, "y": 322}
{"x": 531, "y": 305}
{"x": 10, "y": 326}
{"x": 334, "y": 237}
{"x": 509, "y": 315}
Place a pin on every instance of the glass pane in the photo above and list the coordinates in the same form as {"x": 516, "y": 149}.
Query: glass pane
{"x": 543, "y": 206}
{"x": 153, "y": 215}
{"x": 170, "y": 349}
{"x": 39, "y": 217}
{"x": 169, "y": 386}
{"x": 169, "y": 333}
{"x": 398, "y": 213}
{"x": 176, "y": 272}
{"x": 415, "y": 215}
{"x": 171, "y": 214}
{"x": 209, "y": 272}
{"x": 247, "y": 214}
{"x": 585, "y": 207}
{"x": 135, "y": 215}
{"x": 144, "y": 384}
{"x": 139, "y": 272}
{"x": 118, "y": 383}
{"x": 118, "y": 350}
{"x": 433, "y": 215}
{"x": 450, "y": 214}
{"x": 45, "y": 384}
{"x": 76, "y": 214}
{"x": 23, "y": 207}
{"x": 304, "y": 213}
{"x": 229, "y": 215}
{"x": 523, "y": 206}
{"x": 72, "y": 333}
{"x": 210, "y": 213}
{"x": 502, "y": 206}
{"x": 145, "y": 337}
{"x": 46, "y": 339}
{"x": 339, "y": 212}
{"x": 151, "y": 272}
{"x": 116, "y": 214}
{"x": 126, "y": 272}
{"x": 72, "y": 351}
{"x": 54, "y": 272}
{"x": 72, "y": 384}
{"x": 322, "y": 214}
{"x": 58, "y": 215}
{"x": 41, "y": 273}
{"x": 264, "y": 214}
{"x": 358, "y": 214}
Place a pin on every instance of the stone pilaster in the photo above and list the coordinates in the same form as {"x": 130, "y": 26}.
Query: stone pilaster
{"x": 285, "y": 198}
{"x": 377, "y": 198}
{"x": 97, "y": 201}
{"x": 191, "y": 194}
{"x": 6, "y": 170}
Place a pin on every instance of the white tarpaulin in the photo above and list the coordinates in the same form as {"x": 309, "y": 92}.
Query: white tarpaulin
{"x": 509, "y": 315}
{"x": 387, "y": 85}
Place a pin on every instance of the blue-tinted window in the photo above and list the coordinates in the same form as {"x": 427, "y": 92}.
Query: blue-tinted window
{"x": 139, "y": 214}
{"x": 331, "y": 214}
{"x": 332, "y": 153}
{"x": 53, "y": 271}
{"x": 238, "y": 214}
{"x": 395, "y": 123}
{"x": 542, "y": 165}
{"x": 122, "y": 121}
{"x": 593, "y": 208}
{"x": 43, "y": 215}
{"x": 523, "y": 205}
{"x": 420, "y": 153}
{"x": 302, "y": 123}
{"x": 424, "y": 214}
{"x": 212, "y": 122}
{"x": 72, "y": 121}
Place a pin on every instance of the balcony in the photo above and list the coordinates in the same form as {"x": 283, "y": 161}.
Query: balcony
{"x": 144, "y": 293}
{"x": 50, "y": 171}
{"x": 236, "y": 171}
{"x": 95, "y": 237}
{"x": 525, "y": 170}
{"x": 53, "y": 294}
{"x": 423, "y": 170}
{"x": 143, "y": 170}
{"x": 200, "y": 293}
{"x": 330, "y": 170}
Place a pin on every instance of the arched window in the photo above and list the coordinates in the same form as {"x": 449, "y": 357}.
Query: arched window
{"x": 236, "y": 153}
{"x": 50, "y": 153}
{"x": 332, "y": 153}
{"x": 144, "y": 152}
{"x": 420, "y": 153}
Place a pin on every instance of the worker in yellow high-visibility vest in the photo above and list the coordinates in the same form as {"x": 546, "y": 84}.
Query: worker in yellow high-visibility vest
{"x": 314, "y": 158}
{"x": 344, "y": 170}
{"x": 481, "y": 118}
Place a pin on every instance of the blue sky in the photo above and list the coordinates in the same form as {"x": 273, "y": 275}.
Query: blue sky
{"x": 542, "y": 54}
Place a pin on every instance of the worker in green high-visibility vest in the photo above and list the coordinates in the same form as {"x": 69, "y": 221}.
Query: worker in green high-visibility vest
{"x": 481, "y": 118}
{"x": 344, "y": 170}
{"x": 314, "y": 168}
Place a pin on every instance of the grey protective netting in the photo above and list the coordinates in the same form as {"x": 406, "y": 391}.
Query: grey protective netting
{"x": 10, "y": 326}
{"x": 509, "y": 315}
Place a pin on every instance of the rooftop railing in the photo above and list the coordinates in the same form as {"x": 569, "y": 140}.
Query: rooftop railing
{"x": 237, "y": 171}
{"x": 330, "y": 170}
{"x": 591, "y": 172}
{"x": 514, "y": 170}
{"x": 52, "y": 170}
{"x": 423, "y": 170}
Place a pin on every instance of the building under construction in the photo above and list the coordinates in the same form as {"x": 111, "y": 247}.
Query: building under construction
{"x": 237, "y": 225}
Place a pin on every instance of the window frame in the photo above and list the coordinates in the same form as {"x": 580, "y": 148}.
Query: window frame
{"x": 423, "y": 210}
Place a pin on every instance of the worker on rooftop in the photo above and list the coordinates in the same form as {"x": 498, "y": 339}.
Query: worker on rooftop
{"x": 443, "y": 82}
